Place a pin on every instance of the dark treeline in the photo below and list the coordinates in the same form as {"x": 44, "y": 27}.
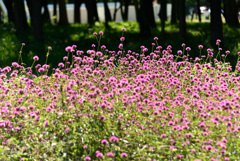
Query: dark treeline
{"x": 143, "y": 8}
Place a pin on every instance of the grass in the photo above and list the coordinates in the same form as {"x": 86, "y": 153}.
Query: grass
{"x": 58, "y": 37}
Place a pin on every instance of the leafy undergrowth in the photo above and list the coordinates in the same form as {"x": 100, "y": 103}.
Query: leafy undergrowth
{"x": 121, "y": 106}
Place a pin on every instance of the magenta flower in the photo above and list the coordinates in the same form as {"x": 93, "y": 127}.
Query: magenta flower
{"x": 36, "y": 58}
{"x": 45, "y": 124}
{"x": 124, "y": 155}
{"x": 87, "y": 158}
{"x": 114, "y": 139}
{"x": 110, "y": 154}
{"x": 68, "y": 49}
{"x": 104, "y": 141}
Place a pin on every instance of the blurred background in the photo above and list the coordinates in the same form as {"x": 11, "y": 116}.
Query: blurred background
{"x": 61, "y": 23}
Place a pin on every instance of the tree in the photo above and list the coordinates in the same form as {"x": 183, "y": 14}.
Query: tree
{"x": 63, "y": 19}
{"x": 182, "y": 18}
{"x": 77, "y": 5}
{"x": 9, "y": 6}
{"x": 107, "y": 14}
{"x": 216, "y": 21}
{"x": 163, "y": 14}
{"x": 199, "y": 11}
{"x": 55, "y": 11}
{"x": 20, "y": 19}
{"x": 45, "y": 15}
{"x": 144, "y": 19}
{"x": 231, "y": 12}
{"x": 35, "y": 7}
{"x": 174, "y": 12}
{"x": 125, "y": 11}
{"x": 91, "y": 6}
{"x": 136, "y": 9}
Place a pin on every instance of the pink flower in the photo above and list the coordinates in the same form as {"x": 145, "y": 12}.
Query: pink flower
{"x": 36, "y": 58}
{"x": 124, "y": 155}
{"x": 45, "y": 124}
{"x": 100, "y": 33}
{"x": 87, "y": 158}
{"x": 68, "y": 49}
{"x": 110, "y": 154}
{"x": 114, "y": 139}
{"x": 85, "y": 147}
{"x": 104, "y": 141}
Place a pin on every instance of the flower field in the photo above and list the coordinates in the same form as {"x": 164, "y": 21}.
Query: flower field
{"x": 122, "y": 105}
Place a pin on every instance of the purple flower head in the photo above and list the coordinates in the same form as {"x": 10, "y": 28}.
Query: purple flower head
{"x": 23, "y": 44}
{"x": 114, "y": 139}
{"x": 99, "y": 155}
{"x": 188, "y": 48}
{"x": 95, "y": 33}
{"x": 110, "y": 154}
{"x": 15, "y": 64}
{"x": 61, "y": 65}
{"x": 87, "y": 158}
{"x": 68, "y": 49}
{"x": 104, "y": 141}
{"x": 200, "y": 47}
{"x": 155, "y": 38}
{"x": 183, "y": 45}
{"x": 85, "y": 147}
{"x": 123, "y": 29}
{"x": 120, "y": 46}
{"x": 100, "y": 33}
{"x": 124, "y": 155}
{"x": 45, "y": 124}
{"x": 36, "y": 58}
{"x": 179, "y": 52}
{"x": 227, "y": 52}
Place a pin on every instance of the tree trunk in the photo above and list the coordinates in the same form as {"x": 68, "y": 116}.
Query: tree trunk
{"x": 90, "y": 10}
{"x": 124, "y": 12}
{"x": 63, "y": 19}
{"x": 126, "y": 5}
{"x": 55, "y": 11}
{"x": 45, "y": 15}
{"x": 107, "y": 14}
{"x": 199, "y": 11}
{"x": 35, "y": 7}
{"x": 136, "y": 9}
{"x": 77, "y": 13}
{"x": 216, "y": 21}
{"x": 163, "y": 14}
{"x": 9, "y": 6}
{"x": 143, "y": 19}
{"x": 231, "y": 12}
{"x": 95, "y": 10}
{"x": 174, "y": 12}
{"x": 20, "y": 19}
{"x": 182, "y": 18}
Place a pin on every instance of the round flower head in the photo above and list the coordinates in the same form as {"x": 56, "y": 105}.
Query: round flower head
{"x": 100, "y": 33}
{"x": 124, "y": 155}
{"x": 68, "y": 49}
{"x": 87, "y": 158}
{"x": 200, "y": 46}
{"x": 155, "y": 38}
{"x": 36, "y": 58}
{"x": 123, "y": 29}
{"x": 95, "y": 33}
{"x": 110, "y": 154}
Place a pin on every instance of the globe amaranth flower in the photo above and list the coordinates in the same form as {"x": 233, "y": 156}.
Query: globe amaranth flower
{"x": 110, "y": 154}
{"x": 87, "y": 158}
{"x": 68, "y": 49}
{"x": 104, "y": 141}
{"x": 124, "y": 155}
{"x": 36, "y": 58}
{"x": 114, "y": 139}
